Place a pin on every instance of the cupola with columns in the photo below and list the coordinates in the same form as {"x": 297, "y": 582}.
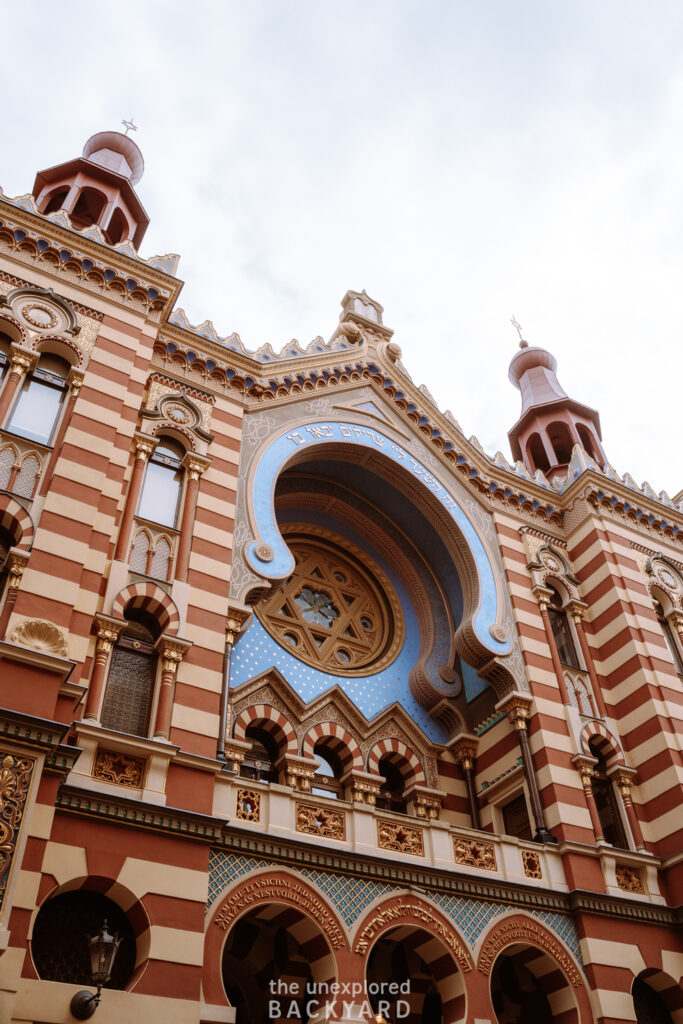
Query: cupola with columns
{"x": 98, "y": 188}
{"x": 550, "y": 423}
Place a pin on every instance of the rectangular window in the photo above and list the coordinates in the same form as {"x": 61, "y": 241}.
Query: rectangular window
{"x": 516, "y": 818}
{"x": 36, "y": 411}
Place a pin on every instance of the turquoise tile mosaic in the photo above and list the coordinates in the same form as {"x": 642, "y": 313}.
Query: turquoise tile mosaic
{"x": 352, "y": 895}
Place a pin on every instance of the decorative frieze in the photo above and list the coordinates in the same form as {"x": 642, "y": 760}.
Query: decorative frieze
{"x": 248, "y": 805}
{"x": 475, "y": 854}
{"x": 400, "y": 838}
{"x": 117, "y": 768}
{"x": 320, "y": 821}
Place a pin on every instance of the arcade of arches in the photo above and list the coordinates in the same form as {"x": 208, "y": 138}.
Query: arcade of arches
{"x": 284, "y": 955}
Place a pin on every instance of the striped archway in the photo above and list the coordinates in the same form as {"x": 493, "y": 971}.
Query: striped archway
{"x": 521, "y": 943}
{"x": 667, "y": 991}
{"x": 272, "y": 721}
{"x": 608, "y": 746}
{"x": 150, "y": 598}
{"x": 400, "y": 755}
{"x": 271, "y": 925}
{"x": 406, "y": 939}
{"x": 337, "y": 739}
{"x": 16, "y": 520}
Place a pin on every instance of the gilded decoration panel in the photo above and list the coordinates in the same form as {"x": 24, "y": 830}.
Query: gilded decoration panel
{"x": 532, "y": 864}
{"x": 119, "y": 769}
{"x": 400, "y": 838}
{"x": 15, "y": 779}
{"x": 475, "y": 854}
{"x": 320, "y": 821}
{"x": 629, "y": 879}
{"x": 248, "y": 805}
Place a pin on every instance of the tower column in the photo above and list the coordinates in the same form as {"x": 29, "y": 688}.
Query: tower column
{"x": 464, "y": 749}
{"x": 22, "y": 361}
{"x": 586, "y": 772}
{"x": 517, "y": 707}
{"x": 144, "y": 446}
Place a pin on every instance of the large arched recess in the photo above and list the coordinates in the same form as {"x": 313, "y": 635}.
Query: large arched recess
{"x": 480, "y": 638}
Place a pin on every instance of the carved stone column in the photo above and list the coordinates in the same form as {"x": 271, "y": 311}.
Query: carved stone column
{"x": 584, "y": 766}
{"x": 194, "y": 467}
{"x": 517, "y": 706}
{"x": 75, "y": 381}
{"x": 16, "y": 563}
{"x": 234, "y": 623}
{"x": 625, "y": 778}
{"x": 144, "y": 446}
{"x": 578, "y": 613}
{"x": 172, "y": 652}
{"x": 464, "y": 749}
{"x": 22, "y": 361}
{"x": 107, "y": 634}
{"x": 543, "y": 595}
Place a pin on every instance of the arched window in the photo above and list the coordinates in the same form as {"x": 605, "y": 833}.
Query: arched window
{"x": 160, "y": 559}
{"x": 132, "y": 676}
{"x": 561, "y": 440}
{"x": 88, "y": 208}
{"x": 163, "y": 481}
{"x": 536, "y": 453}
{"x": 36, "y": 412}
{"x": 139, "y": 555}
{"x": 587, "y": 440}
{"x": 60, "y": 938}
{"x": 327, "y": 779}
{"x": 8, "y": 457}
{"x": 670, "y": 639}
{"x": 55, "y": 200}
{"x": 578, "y": 695}
{"x": 562, "y": 634}
{"x": 649, "y": 1006}
{"x": 390, "y": 796}
{"x": 118, "y": 228}
{"x": 606, "y": 801}
{"x": 25, "y": 483}
{"x": 259, "y": 762}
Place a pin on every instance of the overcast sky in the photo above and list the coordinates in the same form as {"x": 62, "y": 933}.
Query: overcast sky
{"x": 461, "y": 161}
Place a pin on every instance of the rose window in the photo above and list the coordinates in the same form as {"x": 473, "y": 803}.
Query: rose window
{"x": 334, "y": 611}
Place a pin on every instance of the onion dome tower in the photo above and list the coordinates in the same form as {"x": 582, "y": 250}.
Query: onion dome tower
{"x": 98, "y": 188}
{"x": 551, "y": 423}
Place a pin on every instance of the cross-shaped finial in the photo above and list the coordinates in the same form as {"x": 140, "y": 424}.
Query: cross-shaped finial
{"x": 129, "y": 126}
{"x": 518, "y": 327}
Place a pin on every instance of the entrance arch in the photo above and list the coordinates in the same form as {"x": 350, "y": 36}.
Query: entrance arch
{"x": 272, "y": 937}
{"x": 531, "y": 974}
{"x": 410, "y": 946}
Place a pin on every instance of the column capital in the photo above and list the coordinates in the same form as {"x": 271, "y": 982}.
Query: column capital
{"x": 577, "y": 609}
{"x": 235, "y": 752}
{"x": 75, "y": 380}
{"x": 542, "y": 595}
{"x": 585, "y": 765}
{"x": 16, "y": 563}
{"x": 427, "y": 801}
{"x": 299, "y": 771}
{"x": 624, "y": 777}
{"x": 22, "y": 360}
{"x": 194, "y": 464}
{"x": 106, "y": 630}
{"x": 144, "y": 445}
{"x": 517, "y": 706}
{"x": 464, "y": 749}
{"x": 235, "y": 622}
{"x": 172, "y": 650}
{"x": 676, "y": 619}
{"x": 365, "y": 786}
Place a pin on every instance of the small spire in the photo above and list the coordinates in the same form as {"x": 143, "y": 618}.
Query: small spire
{"x": 518, "y": 328}
{"x": 130, "y": 126}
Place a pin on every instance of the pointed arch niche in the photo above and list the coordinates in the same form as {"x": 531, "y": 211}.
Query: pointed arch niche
{"x": 361, "y": 491}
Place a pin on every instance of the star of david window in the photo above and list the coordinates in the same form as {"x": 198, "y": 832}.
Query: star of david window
{"x": 334, "y": 611}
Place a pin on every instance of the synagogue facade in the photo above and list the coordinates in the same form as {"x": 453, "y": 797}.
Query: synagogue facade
{"x": 310, "y": 708}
